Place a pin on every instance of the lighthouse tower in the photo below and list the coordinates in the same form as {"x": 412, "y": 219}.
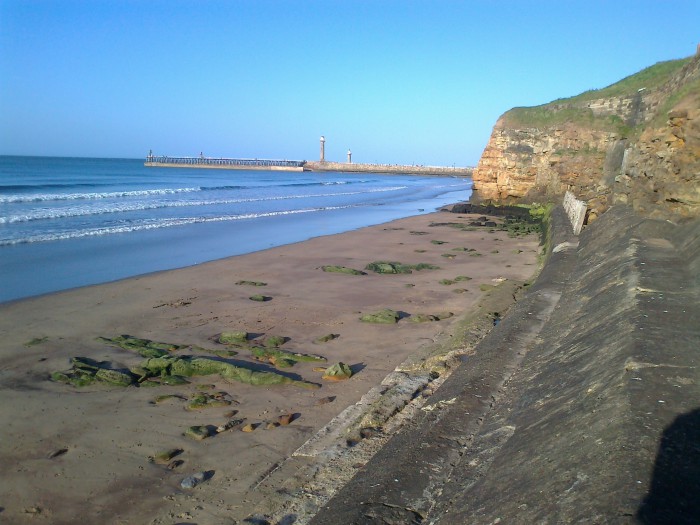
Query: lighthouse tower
{"x": 323, "y": 148}
{"x": 349, "y": 157}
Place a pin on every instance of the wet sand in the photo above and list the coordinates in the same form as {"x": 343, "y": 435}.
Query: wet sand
{"x": 83, "y": 453}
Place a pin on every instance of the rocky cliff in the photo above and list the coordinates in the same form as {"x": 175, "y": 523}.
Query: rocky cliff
{"x": 636, "y": 142}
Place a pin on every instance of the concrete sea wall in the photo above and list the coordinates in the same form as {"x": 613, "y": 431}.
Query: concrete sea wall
{"x": 581, "y": 406}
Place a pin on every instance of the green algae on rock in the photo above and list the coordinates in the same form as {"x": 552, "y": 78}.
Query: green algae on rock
{"x": 200, "y": 366}
{"x": 274, "y": 341}
{"x": 85, "y": 371}
{"x": 238, "y": 337}
{"x": 260, "y": 298}
{"x": 198, "y": 432}
{"x": 386, "y": 316}
{"x": 201, "y": 400}
{"x": 326, "y": 338}
{"x": 251, "y": 283}
{"x": 164, "y": 457}
{"x": 283, "y": 358}
{"x": 392, "y": 267}
{"x": 425, "y": 318}
{"x": 337, "y": 372}
{"x": 143, "y": 347}
{"x": 342, "y": 269}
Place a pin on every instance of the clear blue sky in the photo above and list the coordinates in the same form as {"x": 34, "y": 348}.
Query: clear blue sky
{"x": 396, "y": 81}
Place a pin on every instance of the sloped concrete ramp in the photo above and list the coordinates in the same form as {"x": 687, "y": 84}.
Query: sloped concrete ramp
{"x": 582, "y": 406}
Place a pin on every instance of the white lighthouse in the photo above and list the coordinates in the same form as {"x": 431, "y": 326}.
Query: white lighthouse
{"x": 323, "y": 148}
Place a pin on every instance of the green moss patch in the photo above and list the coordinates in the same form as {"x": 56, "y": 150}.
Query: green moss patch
{"x": 143, "y": 347}
{"x": 426, "y": 318}
{"x": 392, "y": 267}
{"x": 260, "y": 298}
{"x": 282, "y": 358}
{"x": 251, "y": 283}
{"x": 202, "y": 400}
{"x": 342, "y": 269}
{"x": 238, "y": 337}
{"x": 385, "y": 316}
{"x": 337, "y": 372}
{"x": 36, "y": 341}
{"x": 85, "y": 371}
{"x": 326, "y": 338}
{"x": 187, "y": 366}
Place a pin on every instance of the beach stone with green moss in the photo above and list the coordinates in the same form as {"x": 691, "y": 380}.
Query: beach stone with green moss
{"x": 251, "y": 283}
{"x": 143, "y": 347}
{"x": 386, "y": 316}
{"x": 326, "y": 338}
{"x": 283, "y": 358}
{"x": 233, "y": 338}
{"x": 337, "y": 372}
{"x": 342, "y": 269}
{"x": 198, "y": 432}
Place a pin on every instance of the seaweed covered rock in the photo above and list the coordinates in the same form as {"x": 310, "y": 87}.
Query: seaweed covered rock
{"x": 201, "y": 366}
{"x": 198, "y": 432}
{"x": 386, "y": 316}
{"x": 337, "y": 372}
{"x": 283, "y": 358}
{"x": 274, "y": 341}
{"x": 251, "y": 283}
{"x": 239, "y": 337}
{"x": 326, "y": 338}
{"x": 425, "y": 318}
{"x": 85, "y": 371}
{"x": 202, "y": 400}
{"x": 388, "y": 267}
{"x": 342, "y": 269}
{"x": 143, "y": 347}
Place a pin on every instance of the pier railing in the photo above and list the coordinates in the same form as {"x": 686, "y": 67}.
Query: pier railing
{"x": 160, "y": 160}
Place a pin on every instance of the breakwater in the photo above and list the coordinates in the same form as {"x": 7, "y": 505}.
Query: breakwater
{"x": 351, "y": 167}
{"x": 223, "y": 163}
{"x": 163, "y": 161}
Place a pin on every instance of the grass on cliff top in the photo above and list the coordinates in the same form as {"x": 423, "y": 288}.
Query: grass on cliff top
{"x": 546, "y": 115}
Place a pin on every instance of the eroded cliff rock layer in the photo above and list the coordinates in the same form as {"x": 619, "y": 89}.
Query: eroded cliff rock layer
{"x": 636, "y": 142}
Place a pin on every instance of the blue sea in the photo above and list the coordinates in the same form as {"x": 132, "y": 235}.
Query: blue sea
{"x": 70, "y": 222}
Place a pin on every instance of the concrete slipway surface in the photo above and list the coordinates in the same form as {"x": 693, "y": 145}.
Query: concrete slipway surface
{"x": 581, "y": 406}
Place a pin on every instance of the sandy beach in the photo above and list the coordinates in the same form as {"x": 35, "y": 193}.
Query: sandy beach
{"x": 86, "y": 454}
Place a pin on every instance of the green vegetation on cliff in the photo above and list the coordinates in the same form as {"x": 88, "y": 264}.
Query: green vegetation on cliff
{"x": 575, "y": 110}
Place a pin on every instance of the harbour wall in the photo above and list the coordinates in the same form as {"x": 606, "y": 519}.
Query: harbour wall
{"x": 301, "y": 165}
{"x": 388, "y": 168}
{"x": 224, "y": 166}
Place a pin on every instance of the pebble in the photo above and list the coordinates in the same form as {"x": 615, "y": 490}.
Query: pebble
{"x": 325, "y": 400}
{"x": 192, "y": 481}
{"x": 285, "y": 419}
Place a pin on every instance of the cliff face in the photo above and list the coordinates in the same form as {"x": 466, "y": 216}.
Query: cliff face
{"x": 638, "y": 145}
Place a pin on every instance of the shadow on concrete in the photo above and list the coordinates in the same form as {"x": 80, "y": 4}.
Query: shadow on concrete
{"x": 674, "y": 496}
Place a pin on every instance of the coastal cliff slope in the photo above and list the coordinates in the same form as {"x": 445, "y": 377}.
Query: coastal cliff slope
{"x": 636, "y": 142}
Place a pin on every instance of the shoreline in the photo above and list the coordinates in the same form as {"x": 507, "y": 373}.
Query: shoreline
{"x": 109, "y": 432}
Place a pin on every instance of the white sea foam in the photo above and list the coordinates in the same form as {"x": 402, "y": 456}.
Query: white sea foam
{"x": 44, "y": 213}
{"x": 152, "y": 224}
{"x": 18, "y": 198}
